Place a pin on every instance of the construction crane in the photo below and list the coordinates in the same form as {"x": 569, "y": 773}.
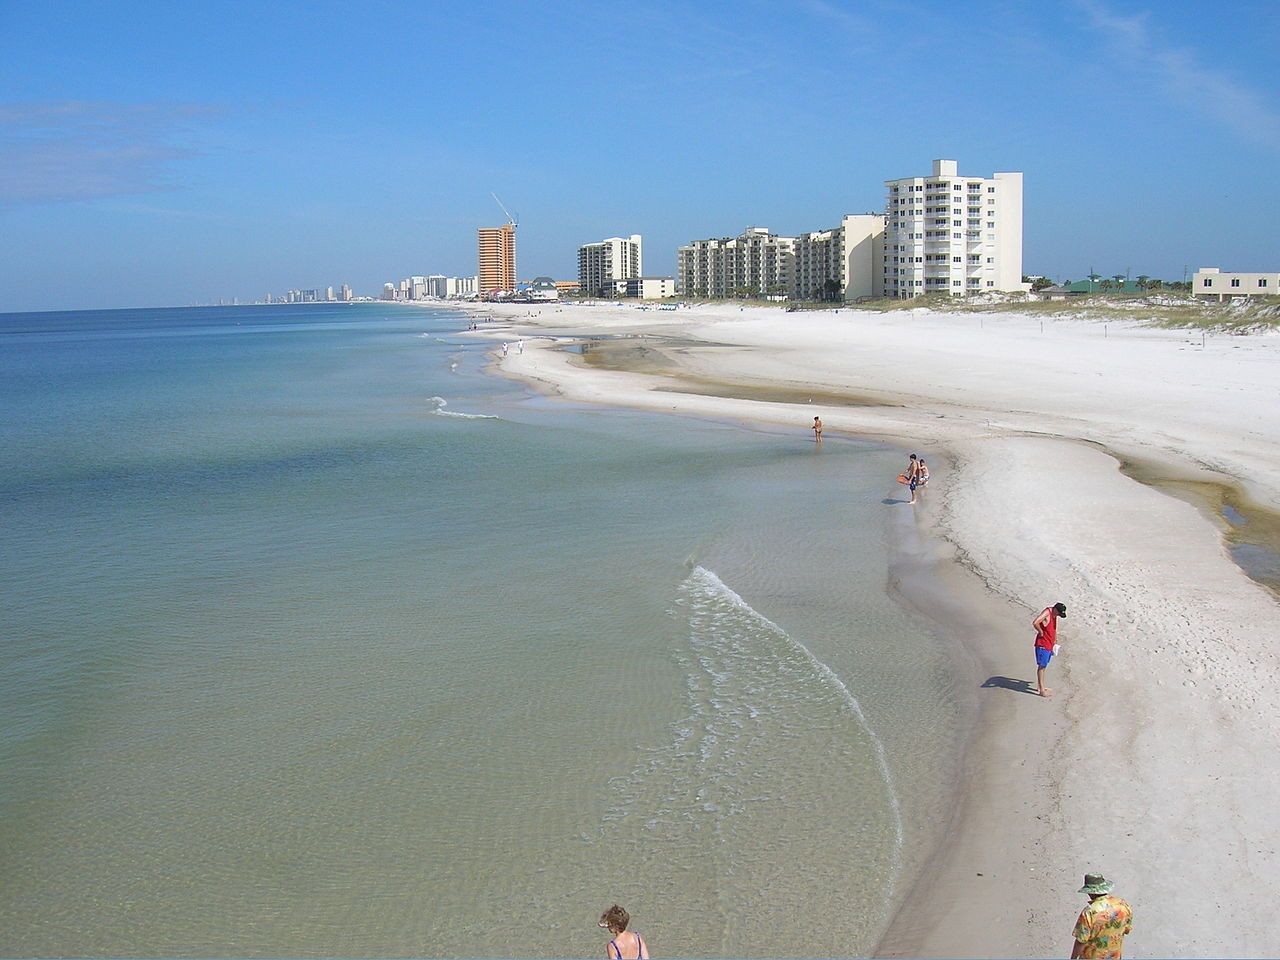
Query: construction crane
{"x": 510, "y": 219}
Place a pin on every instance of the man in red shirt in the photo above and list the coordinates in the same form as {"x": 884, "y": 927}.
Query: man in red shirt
{"x": 1046, "y": 627}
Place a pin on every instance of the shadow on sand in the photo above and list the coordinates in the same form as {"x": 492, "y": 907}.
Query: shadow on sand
{"x": 1008, "y": 683}
{"x": 888, "y": 500}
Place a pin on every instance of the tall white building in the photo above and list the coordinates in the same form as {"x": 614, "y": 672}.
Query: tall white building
{"x": 945, "y": 233}
{"x": 755, "y": 262}
{"x": 461, "y": 287}
{"x": 346, "y": 293}
{"x": 843, "y": 263}
{"x": 600, "y": 264}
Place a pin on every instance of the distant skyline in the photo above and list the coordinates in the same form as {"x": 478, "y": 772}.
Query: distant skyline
{"x": 155, "y": 154}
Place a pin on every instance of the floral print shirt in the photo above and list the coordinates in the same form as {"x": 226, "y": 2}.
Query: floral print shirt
{"x": 1102, "y": 926}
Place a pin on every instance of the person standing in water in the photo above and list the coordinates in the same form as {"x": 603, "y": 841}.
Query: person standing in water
{"x": 1046, "y": 627}
{"x": 913, "y": 475}
{"x": 817, "y": 430}
{"x": 625, "y": 945}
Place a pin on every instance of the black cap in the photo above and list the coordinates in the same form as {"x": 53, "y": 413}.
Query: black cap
{"x": 1061, "y": 608}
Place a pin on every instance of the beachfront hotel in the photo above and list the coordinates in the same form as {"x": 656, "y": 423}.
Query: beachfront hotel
{"x": 601, "y": 265}
{"x": 843, "y": 263}
{"x": 945, "y": 233}
{"x": 497, "y": 258}
{"x": 756, "y": 262}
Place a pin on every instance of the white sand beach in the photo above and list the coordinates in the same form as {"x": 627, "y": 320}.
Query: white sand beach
{"x": 1153, "y": 762}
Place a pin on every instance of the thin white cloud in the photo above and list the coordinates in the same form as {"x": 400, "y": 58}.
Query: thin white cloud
{"x": 1215, "y": 94}
{"x": 59, "y": 151}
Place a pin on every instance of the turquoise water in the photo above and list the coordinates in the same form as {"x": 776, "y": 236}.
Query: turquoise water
{"x": 319, "y": 640}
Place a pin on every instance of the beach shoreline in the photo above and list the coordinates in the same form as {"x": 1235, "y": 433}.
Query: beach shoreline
{"x": 1034, "y": 508}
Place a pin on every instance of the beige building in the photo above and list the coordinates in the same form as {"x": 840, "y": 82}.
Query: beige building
{"x": 497, "y": 258}
{"x": 843, "y": 263}
{"x": 945, "y": 233}
{"x": 644, "y": 288}
{"x": 600, "y": 264}
{"x": 756, "y": 263}
{"x": 1210, "y": 282}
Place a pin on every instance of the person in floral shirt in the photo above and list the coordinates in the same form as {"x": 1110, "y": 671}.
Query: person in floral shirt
{"x": 1103, "y": 923}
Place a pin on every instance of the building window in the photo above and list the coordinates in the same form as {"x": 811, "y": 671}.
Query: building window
{"x": 1208, "y": 282}
{"x": 955, "y": 283}
{"x": 1262, "y": 282}
{"x": 991, "y": 259}
{"x": 991, "y": 283}
{"x": 991, "y": 189}
{"x": 1235, "y": 282}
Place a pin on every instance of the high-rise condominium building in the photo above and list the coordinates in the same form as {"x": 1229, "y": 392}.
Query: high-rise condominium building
{"x": 951, "y": 234}
{"x": 755, "y": 262}
{"x": 497, "y": 248}
{"x": 843, "y": 263}
{"x": 600, "y": 264}
{"x": 346, "y": 293}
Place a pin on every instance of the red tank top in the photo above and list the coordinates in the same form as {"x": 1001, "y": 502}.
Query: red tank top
{"x": 1047, "y": 637}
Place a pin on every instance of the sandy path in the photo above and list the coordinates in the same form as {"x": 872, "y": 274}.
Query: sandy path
{"x": 1153, "y": 762}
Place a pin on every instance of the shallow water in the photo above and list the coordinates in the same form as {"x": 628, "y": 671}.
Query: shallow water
{"x": 317, "y": 640}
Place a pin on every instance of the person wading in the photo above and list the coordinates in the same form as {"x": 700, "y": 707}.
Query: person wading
{"x": 625, "y": 945}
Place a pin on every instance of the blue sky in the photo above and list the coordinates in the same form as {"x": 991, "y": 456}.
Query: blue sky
{"x": 155, "y": 154}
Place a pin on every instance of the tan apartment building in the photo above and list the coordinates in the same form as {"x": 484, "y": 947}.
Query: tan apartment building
{"x": 497, "y": 258}
{"x": 756, "y": 262}
{"x": 841, "y": 264}
{"x": 1212, "y": 283}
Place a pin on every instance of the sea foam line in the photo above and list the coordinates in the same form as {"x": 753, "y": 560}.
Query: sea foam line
{"x": 710, "y": 581}
{"x": 438, "y": 407}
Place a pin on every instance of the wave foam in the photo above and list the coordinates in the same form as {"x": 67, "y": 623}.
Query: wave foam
{"x": 438, "y": 405}
{"x": 710, "y": 586}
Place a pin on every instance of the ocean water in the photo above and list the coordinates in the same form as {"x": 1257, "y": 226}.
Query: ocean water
{"x": 317, "y": 639}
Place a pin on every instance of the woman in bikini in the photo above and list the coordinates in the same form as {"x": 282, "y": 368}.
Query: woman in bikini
{"x": 625, "y": 945}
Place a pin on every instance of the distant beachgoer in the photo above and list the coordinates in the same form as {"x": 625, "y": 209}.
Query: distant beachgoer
{"x": 504, "y": 349}
{"x": 1103, "y": 923}
{"x": 924, "y": 472}
{"x": 520, "y": 345}
{"x": 1046, "y": 627}
{"x": 817, "y": 429}
{"x": 913, "y": 475}
{"x": 624, "y": 945}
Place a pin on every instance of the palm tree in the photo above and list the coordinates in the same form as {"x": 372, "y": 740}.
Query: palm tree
{"x": 1143, "y": 281}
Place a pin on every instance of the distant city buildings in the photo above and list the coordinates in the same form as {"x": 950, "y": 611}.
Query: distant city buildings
{"x": 312, "y": 296}
{"x": 1212, "y": 283}
{"x": 496, "y": 248}
{"x": 433, "y": 287}
{"x": 945, "y": 233}
{"x": 602, "y": 264}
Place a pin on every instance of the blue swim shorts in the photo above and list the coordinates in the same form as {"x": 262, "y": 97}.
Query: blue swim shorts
{"x": 1043, "y": 657}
